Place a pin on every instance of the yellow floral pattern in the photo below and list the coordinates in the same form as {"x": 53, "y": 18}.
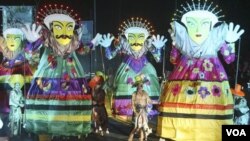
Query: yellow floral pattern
{"x": 196, "y": 70}
{"x": 208, "y": 66}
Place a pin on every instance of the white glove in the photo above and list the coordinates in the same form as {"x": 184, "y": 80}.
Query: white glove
{"x": 233, "y": 34}
{"x": 79, "y": 32}
{"x": 1, "y": 123}
{"x": 158, "y": 41}
{"x": 106, "y": 40}
{"x": 172, "y": 33}
{"x": 32, "y": 33}
{"x": 232, "y": 47}
{"x": 97, "y": 39}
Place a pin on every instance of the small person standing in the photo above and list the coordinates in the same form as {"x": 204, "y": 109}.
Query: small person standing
{"x": 140, "y": 101}
{"x": 241, "y": 110}
{"x": 16, "y": 102}
{"x": 99, "y": 115}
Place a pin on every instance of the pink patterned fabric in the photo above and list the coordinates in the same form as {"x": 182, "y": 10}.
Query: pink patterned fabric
{"x": 207, "y": 69}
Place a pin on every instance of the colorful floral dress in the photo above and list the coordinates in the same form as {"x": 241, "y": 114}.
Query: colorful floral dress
{"x": 59, "y": 100}
{"x": 133, "y": 64}
{"x": 197, "y": 99}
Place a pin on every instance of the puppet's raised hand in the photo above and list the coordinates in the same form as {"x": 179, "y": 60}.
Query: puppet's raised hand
{"x": 32, "y": 33}
{"x": 158, "y": 41}
{"x": 96, "y": 40}
{"x": 172, "y": 32}
{"x": 1, "y": 123}
{"x": 106, "y": 40}
{"x": 79, "y": 32}
{"x": 233, "y": 34}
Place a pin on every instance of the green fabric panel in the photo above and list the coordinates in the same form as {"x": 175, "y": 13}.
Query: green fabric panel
{"x": 58, "y": 128}
{"x": 58, "y": 102}
{"x": 122, "y": 75}
{"x": 46, "y": 71}
{"x": 52, "y": 112}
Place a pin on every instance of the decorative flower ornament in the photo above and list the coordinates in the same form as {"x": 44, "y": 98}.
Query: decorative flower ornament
{"x": 176, "y": 89}
{"x": 203, "y": 92}
{"x": 216, "y": 91}
{"x": 207, "y": 65}
{"x": 196, "y": 70}
{"x": 190, "y": 90}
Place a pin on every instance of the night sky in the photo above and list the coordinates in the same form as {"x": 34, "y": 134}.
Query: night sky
{"x": 110, "y": 13}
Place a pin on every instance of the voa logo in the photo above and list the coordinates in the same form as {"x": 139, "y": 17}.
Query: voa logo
{"x": 236, "y": 132}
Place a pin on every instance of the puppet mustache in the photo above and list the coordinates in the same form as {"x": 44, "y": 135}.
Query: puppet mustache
{"x": 63, "y": 36}
{"x": 136, "y": 44}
